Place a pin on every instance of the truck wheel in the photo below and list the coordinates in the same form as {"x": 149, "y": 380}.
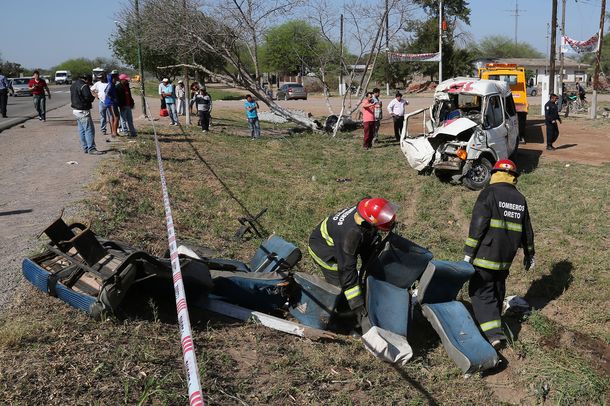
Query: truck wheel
{"x": 478, "y": 176}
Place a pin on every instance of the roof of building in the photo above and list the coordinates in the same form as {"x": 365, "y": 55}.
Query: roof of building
{"x": 474, "y": 86}
{"x": 537, "y": 62}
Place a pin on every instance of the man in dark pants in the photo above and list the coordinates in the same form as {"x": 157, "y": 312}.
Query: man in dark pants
{"x": 5, "y": 86}
{"x": 396, "y": 108}
{"x": 500, "y": 225}
{"x": 337, "y": 242}
{"x": 551, "y": 117}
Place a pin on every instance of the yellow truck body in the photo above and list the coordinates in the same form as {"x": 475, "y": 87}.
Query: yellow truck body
{"x": 514, "y": 76}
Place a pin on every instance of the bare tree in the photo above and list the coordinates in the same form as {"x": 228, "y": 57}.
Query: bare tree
{"x": 229, "y": 30}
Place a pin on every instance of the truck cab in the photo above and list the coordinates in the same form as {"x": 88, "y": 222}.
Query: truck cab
{"x": 514, "y": 76}
{"x": 63, "y": 77}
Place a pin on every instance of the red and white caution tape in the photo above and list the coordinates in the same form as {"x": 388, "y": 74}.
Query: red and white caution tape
{"x": 186, "y": 335}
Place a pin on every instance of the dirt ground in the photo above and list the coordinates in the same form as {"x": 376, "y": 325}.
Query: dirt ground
{"x": 580, "y": 139}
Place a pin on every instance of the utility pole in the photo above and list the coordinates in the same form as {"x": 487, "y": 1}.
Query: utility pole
{"x": 515, "y": 13}
{"x": 342, "y": 86}
{"x": 598, "y": 56}
{"x": 140, "y": 67}
{"x": 440, "y": 41}
{"x": 553, "y": 47}
{"x": 561, "y": 55}
{"x": 387, "y": 48}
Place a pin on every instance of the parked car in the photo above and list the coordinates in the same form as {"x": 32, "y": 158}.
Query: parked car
{"x": 472, "y": 124}
{"x": 20, "y": 86}
{"x": 291, "y": 91}
{"x": 532, "y": 90}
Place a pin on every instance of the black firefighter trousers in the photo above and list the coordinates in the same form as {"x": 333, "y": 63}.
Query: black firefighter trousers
{"x": 487, "y": 290}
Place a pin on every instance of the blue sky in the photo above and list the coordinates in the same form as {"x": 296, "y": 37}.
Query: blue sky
{"x": 64, "y": 29}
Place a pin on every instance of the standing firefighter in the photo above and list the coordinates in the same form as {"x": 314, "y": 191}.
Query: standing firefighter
{"x": 339, "y": 239}
{"x": 500, "y": 225}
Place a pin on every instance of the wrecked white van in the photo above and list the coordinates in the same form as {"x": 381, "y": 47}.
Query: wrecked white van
{"x": 472, "y": 124}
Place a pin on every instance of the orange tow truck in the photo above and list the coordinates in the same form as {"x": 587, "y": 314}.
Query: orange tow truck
{"x": 514, "y": 76}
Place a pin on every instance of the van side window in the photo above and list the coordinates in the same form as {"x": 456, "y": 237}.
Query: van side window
{"x": 509, "y": 105}
{"x": 494, "y": 116}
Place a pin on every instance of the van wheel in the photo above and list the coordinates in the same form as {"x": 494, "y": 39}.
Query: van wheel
{"x": 479, "y": 175}
{"x": 534, "y": 93}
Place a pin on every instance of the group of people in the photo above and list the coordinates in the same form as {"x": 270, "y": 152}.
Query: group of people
{"x": 372, "y": 113}
{"x": 173, "y": 101}
{"x": 115, "y": 104}
{"x": 500, "y": 225}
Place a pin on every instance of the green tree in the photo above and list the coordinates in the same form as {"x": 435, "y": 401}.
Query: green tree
{"x": 292, "y": 47}
{"x": 499, "y": 46}
{"x": 76, "y": 65}
{"x": 10, "y": 69}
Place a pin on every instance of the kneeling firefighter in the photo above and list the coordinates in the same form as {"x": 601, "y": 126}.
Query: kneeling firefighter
{"x": 500, "y": 225}
{"x": 339, "y": 239}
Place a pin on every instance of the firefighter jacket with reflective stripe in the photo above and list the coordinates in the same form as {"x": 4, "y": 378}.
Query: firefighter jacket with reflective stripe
{"x": 335, "y": 245}
{"x": 500, "y": 225}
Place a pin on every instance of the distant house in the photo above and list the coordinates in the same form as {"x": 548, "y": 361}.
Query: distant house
{"x": 572, "y": 69}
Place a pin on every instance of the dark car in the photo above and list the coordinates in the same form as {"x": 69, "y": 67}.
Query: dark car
{"x": 291, "y": 91}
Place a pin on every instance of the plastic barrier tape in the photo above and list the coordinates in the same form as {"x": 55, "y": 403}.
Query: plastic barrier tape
{"x": 188, "y": 348}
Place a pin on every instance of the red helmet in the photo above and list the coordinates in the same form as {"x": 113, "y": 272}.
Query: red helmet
{"x": 378, "y": 212}
{"x": 505, "y": 165}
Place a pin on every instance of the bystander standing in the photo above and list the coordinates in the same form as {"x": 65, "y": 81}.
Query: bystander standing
{"x": 38, "y": 86}
{"x": 81, "y": 101}
{"x": 126, "y": 104}
{"x": 396, "y": 108}
{"x": 5, "y": 86}
{"x": 368, "y": 119}
{"x": 251, "y": 107}
{"x": 181, "y": 98}
{"x": 204, "y": 108}
{"x": 168, "y": 93}
{"x": 99, "y": 90}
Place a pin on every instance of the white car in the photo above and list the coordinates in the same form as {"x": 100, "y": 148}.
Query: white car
{"x": 471, "y": 125}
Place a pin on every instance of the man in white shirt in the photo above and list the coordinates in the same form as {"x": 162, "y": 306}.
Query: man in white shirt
{"x": 99, "y": 91}
{"x": 396, "y": 108}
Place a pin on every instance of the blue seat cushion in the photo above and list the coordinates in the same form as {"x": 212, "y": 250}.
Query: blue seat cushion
{"x": 315, "y": 302}
{"x": 388, "y": 306}
{"x": 442, "y": 281}
{"x": 401, "y": 262}
{"x": 460, "y": 336}
{"x": 275, "y": 254}
{"x": 258, "y": 291}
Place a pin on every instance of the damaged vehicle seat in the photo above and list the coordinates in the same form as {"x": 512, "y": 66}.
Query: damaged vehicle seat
{"x": 438, "y": 288}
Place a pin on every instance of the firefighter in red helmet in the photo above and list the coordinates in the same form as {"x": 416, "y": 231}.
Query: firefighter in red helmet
{"x": 338, "y": 241}
{"x": 500, "y": 225}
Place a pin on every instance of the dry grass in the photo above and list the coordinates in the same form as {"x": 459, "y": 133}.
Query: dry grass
{"x": 58, "y": 356}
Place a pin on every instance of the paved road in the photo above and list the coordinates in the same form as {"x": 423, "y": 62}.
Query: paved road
{"x": 39, "y": 177}
{"x": 22, "y": 108}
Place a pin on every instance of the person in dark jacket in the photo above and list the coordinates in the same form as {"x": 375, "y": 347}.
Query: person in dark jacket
{"x": 81, "y": 98}
{"x": 551, "y": 117}
{"x": 337, "y": 242}
{"x": 500, "y": 225}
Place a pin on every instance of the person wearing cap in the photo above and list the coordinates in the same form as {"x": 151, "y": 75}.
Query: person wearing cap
{"x": 551, "y": 118}
{"x": 181, "y": 98}
{"x": 396, "y": 108}
{"x": 81, "y": 102}
{"x": 168, "y": 93}
{"x": 341, "y": 238}
{"x": 500, "y": 225}
{"x": 126, "y": 103}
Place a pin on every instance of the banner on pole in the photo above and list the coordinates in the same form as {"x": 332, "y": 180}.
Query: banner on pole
{"x": 580, "y": 47}
{"x": 394, "y": 57}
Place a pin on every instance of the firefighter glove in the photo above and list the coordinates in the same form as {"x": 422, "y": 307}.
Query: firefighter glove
{"x": 529, "y": 263}
{"x": 467, "y": 259}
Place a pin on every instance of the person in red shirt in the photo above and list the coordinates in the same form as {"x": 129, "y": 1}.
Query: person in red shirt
{"x": 368, "y": 119}
{"x": 38, "y": 87}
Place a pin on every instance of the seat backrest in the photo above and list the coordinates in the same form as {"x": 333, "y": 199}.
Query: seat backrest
{"x": 442, "y": 281}
{"x": 388, "y": 306}
{"x": 275, "y": 254}
{"x": 88, "y": 247}
{"x": 401, "y": 262}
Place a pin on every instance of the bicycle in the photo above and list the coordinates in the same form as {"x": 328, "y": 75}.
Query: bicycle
{"x": 576, "y": 105}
